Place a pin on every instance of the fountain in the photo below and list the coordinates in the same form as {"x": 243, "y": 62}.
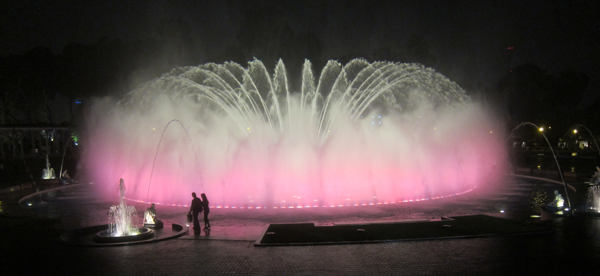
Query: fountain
{"x": 48, "y": 172}
{"x": 122, "y": 224}
{"x": 557, "y": 204}
{"x": 150, "y": 219}
{"x": 592, "y": 199}
{"x": 359, "y": 134}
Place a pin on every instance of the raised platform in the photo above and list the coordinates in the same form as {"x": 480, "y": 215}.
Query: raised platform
{"x": 457, "y": 227}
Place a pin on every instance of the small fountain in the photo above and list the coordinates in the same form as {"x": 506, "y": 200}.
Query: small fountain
{"x": 122, "y": 226}
{"x": 150, "y": 219}
{"x": 557, "y": 204}
{"x": 48, "y": 173}
{"x": 592, "y": 201}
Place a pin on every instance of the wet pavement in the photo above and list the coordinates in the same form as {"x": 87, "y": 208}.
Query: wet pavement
{"x": 29, "y": 241}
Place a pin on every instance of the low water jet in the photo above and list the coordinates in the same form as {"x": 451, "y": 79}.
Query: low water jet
{"x": 122, "y": 223}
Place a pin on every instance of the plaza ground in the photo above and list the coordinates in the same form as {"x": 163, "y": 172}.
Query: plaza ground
{"x": 29, "y": 241}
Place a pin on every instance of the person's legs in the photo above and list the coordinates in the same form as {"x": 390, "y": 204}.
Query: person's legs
{"x": 196, "y": 222}
{"x": 206, "y": 223}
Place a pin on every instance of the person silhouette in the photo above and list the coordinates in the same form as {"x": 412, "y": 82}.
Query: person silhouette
{"x": 206, "y": 211}
{"x": 196, "y": 208}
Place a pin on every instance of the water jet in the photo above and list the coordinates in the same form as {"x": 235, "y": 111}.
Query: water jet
{"x": 122, "y": 223}
{"x": 256, "y": 141}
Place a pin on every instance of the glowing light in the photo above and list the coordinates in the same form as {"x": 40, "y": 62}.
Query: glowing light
{"x": 574, "y": 131}
{"x": 541, "y": 129}
{"x": 501, "y": 211}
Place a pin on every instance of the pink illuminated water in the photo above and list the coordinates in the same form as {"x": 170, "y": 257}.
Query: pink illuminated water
{"x": 252, "y": 143}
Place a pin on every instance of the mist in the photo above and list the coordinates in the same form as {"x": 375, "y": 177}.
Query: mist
{"x": 360, "y": 134}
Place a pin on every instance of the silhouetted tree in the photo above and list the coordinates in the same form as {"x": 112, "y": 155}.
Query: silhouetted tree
{"x": 531, "y": 94}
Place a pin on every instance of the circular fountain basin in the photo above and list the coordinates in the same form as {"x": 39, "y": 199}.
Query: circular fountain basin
{"x": 106, "y": 237}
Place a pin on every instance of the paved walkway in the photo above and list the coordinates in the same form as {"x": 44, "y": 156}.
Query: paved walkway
{"x": 28, "y": 246}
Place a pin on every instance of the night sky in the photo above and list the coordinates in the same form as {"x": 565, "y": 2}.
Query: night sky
{"x": 466, "y": 40}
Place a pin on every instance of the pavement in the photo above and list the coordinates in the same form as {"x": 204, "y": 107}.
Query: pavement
{"x": 29, "y": 242}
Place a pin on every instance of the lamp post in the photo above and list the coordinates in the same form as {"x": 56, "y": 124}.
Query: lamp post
{"x": 541, "y": 129}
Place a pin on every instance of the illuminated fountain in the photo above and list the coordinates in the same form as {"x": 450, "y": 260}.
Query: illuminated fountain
{"x": 48, "y": 172}
{"x": 122, "y": 224}
{"x": 361, "y": 134}
{"x": 593, "y": 199}
{"x": 592, "y": 202}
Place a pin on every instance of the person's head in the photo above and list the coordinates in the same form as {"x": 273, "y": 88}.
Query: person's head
{"x": 152, "y": 206}
{"x": 203, "y": 196}
{"x": 194, "y": 195}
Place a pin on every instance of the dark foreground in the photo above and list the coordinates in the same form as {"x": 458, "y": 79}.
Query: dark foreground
{"x": 572, "y": 246}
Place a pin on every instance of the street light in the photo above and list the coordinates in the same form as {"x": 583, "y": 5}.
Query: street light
{"x": 541, "y": 129}
{"x": 575, "y": 131}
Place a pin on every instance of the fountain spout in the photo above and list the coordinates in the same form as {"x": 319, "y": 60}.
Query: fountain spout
{"x": 48, "y": 173}
{"x": 553, "y": 154}
{"x": 122, "y": 218}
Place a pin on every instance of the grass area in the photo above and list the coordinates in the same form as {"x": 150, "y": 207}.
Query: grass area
{"x": 475, "y": 225}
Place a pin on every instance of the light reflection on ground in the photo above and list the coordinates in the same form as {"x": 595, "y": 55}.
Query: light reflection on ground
{"x": 81, "y": 209}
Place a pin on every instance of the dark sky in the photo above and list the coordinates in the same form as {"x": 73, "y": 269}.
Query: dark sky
{"x": 468, "y": 38}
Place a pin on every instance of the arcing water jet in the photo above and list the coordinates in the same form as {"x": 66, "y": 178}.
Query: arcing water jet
{"x": 364, "y": 133}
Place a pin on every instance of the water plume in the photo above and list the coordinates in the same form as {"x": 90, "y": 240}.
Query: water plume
{"x": 363, "y": 133}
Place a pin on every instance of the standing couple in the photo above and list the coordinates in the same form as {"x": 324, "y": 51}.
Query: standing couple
{"x": 196, "y": 208}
